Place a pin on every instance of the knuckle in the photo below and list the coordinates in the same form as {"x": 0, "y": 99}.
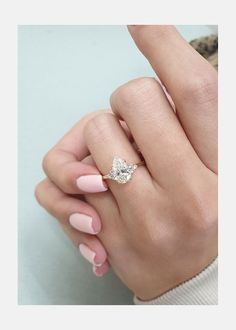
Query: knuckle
{"x": 153, "y": 238}
{"x": 202, "y": 89}
{"x": 92, "y": 114}
{"x": 39, "y": 191}
{"x": 98, "y": 127}
{"x": 147, "y": 221}
{"x": 46, "y": 197}
{"x": 204, "y": 220}
{"x": 46, "y": 161}
{"x": 68, "y": 178}
{"x": 203, "y": 216}
{"x": 134, "y": 91}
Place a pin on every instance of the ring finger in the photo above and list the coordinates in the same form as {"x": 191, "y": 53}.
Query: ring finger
{"x": 156, "y": 129}
{"x": 105, "y": 140}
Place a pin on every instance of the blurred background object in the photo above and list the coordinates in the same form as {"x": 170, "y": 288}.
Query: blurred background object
{"x": 208, "y": 48}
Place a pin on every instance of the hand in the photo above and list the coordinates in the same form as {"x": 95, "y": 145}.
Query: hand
{"x": 69, "y": 176}
{"x": 61, "y": 192}
{"x": 160, "y": 229}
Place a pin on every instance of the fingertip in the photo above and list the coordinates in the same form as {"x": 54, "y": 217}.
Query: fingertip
{"x": 91, "y": 183}
{"x": 99, "y": 271}
{"x": 100, "y": 256}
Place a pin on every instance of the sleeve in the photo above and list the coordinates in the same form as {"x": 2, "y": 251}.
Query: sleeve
{"x": 200, "y": 290}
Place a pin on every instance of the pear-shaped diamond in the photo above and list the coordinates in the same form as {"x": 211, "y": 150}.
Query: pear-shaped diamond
{"x": 121, "y": 171}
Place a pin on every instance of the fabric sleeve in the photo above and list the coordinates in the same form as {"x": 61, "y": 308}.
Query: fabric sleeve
{"x": 200, "y": 290}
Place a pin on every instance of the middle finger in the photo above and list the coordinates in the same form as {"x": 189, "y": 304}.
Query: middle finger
{"x": 144, "y": 107}
{"x": 106, "y": 139}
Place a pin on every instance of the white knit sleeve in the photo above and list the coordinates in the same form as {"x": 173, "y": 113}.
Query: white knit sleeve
{"x": 200, "y": 290}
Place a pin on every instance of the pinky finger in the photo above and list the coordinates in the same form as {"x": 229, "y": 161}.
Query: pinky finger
{"x": 101, "y": 270}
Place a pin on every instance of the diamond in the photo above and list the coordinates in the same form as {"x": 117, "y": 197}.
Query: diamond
{"x": 121, "y": 171}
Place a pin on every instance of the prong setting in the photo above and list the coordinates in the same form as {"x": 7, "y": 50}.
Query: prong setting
{"x": 121, "y": 171}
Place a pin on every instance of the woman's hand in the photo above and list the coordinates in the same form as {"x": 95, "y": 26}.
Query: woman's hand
{"x": 159, "y": 229}
{"x": 61, "y": 193}
{"x": 69, "y": 176}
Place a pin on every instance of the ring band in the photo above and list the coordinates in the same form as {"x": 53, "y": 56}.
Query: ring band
{"x": 121, "y": 171}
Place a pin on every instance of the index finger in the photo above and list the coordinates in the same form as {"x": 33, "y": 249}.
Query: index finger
{"x": 62, "y": 164}
{"x": 190, "y": 80}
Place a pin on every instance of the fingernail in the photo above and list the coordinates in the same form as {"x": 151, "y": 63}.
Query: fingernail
{"x": 91, "y": 183}
{"x": 101, "y": 270}
{"x": 84, "y": 223}
{"x": 88, "y": 254}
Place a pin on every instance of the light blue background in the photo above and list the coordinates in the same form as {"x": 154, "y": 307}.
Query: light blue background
{"x": 65, "y": 72}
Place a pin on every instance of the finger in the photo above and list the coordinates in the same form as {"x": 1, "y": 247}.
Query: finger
{"x": 107, "y": 208}
{"x": 71, "y": 175}
{"x": 106, "y": 139}
{"x": 62, "y": 164}
{"x": 81, "y": 229}
{"x": 168, "y": 153}
{"x": 101, "y": 270}
{"x": 190, "y": 80}
{"x": 67, "y": 209}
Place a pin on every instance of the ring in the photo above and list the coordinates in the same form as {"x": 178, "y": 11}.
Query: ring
{"x": 121, "y": 171}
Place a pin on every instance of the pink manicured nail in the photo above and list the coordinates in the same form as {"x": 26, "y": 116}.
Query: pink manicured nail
{"x": 88, "y": 254}
{"x": 91, "y": 183}
{"x": 101, "y": 270}
{"x": 84, "y": 223}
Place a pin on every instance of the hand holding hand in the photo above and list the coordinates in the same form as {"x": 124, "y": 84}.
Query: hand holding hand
{"x": 159, "y": 229}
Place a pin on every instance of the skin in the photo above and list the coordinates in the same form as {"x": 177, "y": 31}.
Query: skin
{"x": 160, "y": 229}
